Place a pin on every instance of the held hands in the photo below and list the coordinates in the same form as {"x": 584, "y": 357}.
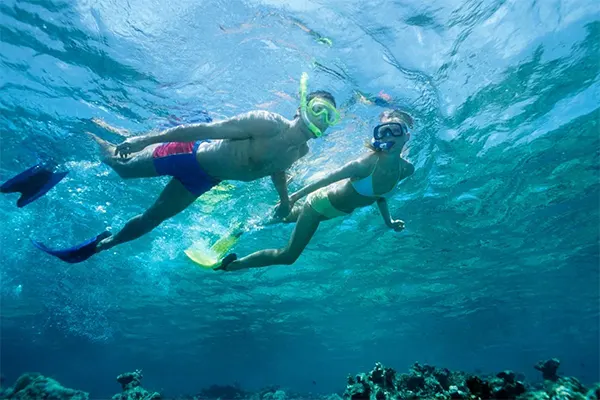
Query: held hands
{"x": 397, "y": 225}
{"x": 282, "y": 210}
{"x": 131, "y": 145}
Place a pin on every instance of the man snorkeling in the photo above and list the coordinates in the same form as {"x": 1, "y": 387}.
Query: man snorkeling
{"x": 372, "y": 178}
{"x": 198, "y": 156}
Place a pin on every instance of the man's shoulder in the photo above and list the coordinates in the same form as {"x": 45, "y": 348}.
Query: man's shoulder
{"x": 304, "y": 150}
{"x": 265, "y": 122}
{"x": 263, "y": 115}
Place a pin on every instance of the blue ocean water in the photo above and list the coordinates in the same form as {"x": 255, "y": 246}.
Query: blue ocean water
{"x": 498, "y": 266}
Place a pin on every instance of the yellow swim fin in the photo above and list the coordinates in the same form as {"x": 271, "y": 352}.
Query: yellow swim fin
{"x": 209, "y": 258}
{"x": 204, "y": 258}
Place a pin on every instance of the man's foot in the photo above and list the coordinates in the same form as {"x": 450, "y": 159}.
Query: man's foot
{"x": 107, "y": 149}
{"x": 226, "y": 261}
{"x": 104, "y": 244}
{"x": 124, "y": 133}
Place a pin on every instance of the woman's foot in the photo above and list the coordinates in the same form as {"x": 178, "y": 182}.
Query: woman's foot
{"x": 226, "y": 261}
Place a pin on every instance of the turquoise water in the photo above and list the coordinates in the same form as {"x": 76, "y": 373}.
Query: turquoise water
{"x": 498, "y": 265}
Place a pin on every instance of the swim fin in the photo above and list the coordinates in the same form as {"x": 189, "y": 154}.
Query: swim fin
{"x": 209, "y": 258}
{"x": 33, "y": 183}
{"x": 212, "y": 257}
{"x": 75, "y": 254}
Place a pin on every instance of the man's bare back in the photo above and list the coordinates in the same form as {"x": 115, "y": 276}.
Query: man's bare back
{"x": 256, "y": 157}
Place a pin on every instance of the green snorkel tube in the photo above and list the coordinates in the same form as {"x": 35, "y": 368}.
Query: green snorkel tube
{"x": 304, "y": 106}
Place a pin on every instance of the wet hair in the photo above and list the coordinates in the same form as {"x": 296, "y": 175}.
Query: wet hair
{"x": 318, "y": 93}
{"x": 321, "y": 93}
{"x": 398, "y": 114}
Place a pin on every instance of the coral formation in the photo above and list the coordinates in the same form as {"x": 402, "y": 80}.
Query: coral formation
{"x": 548, "y": 369}
{"x": 427, "y": 382}
{"x": 34, "y": 386}
{"x": 131, "y": 383}
{"x": 381, "y": 383}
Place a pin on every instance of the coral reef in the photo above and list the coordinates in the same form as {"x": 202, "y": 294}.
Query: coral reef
{"x": 381, "y": 383}
{"x": 423, "y": 381}
{"x": 131, "y": 383}
{"x": 427, "y": 382}
{"x": 34, "y": 386}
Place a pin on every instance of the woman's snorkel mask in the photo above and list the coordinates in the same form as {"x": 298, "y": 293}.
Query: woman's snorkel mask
{"x": 317, "y": 107}
{"x": 381, "y": 131}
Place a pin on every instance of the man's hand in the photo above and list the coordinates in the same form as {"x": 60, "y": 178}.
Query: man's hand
{"x": 282, "y": 210}
{"x": 131, "y": 145}
{"x": 396, "y": 225}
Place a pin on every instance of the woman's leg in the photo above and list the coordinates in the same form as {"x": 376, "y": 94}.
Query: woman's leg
{"x": 308, "y": 222}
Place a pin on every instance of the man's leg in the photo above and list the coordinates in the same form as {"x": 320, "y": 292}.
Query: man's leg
{"x": 173, "y": 199}
{"x": 307, "y": 225}
{"x": 136, "y": 165}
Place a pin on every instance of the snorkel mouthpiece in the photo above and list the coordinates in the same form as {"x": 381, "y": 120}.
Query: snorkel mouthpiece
{"x": 381, "y": 146}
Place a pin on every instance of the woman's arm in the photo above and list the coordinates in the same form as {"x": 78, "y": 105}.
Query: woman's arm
{"x": 396, "y": 225}
{"x": 349, "y": 170}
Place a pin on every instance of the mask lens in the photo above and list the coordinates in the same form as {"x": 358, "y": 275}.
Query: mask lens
{"x": 321, "y": 108}
{"x": 391, "y": 129}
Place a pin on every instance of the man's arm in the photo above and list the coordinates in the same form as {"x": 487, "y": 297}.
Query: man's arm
{"x": 280, "y": 181}
{"x": 396, "y": 225}
{"x": 226, "y": 129}
{"x": 236, "y": 128}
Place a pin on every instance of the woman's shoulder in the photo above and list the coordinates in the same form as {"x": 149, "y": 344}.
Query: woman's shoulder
{"x": 365, "y": 163}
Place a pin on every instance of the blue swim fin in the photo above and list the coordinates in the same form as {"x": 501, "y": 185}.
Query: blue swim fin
{"x": 75, "y": 254}
{"x": 33, "y": 183}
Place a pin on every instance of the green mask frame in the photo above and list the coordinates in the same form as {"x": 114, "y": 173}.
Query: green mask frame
{"x": 317, "y": 107}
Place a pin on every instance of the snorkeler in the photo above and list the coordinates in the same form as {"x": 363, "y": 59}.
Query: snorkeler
{"x": 199, "y": 156}
{"x": 370, "y": 179}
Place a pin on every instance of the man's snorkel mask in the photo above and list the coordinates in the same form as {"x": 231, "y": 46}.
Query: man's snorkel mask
{"x": 395, "y": 129}
{"x": 317, "y": 107}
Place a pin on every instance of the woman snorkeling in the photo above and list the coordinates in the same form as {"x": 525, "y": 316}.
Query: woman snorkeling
{"x": 370, "y": 179}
